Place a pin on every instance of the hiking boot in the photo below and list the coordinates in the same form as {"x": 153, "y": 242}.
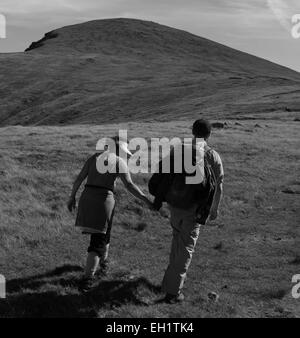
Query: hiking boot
{"x": 103, "y": 270}
{"x": 86, "y": 284}
{"x": 173, "y": 299}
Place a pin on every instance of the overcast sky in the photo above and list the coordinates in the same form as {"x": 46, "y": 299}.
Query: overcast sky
{"x": 259, "y": 27}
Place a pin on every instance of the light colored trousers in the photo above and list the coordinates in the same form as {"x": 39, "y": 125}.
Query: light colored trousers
{"x": 185, "y": 235}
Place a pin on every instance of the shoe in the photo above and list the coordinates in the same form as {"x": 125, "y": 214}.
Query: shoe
{"x": 103, "y": 270}
{"x": 173, "y": 299}
{"x": 86, "y": 284}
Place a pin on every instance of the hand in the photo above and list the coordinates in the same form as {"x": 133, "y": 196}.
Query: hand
{"x": 71, "y": 204}
{"x": 213, "y": 214}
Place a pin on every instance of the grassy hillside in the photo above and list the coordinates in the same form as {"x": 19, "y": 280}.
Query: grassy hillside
{"x": 248, "y": 256}
{"x": 120, "y": 70}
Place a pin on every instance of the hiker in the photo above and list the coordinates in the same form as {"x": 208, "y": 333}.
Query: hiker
{"x": 97, "y": 204}
{"x": 191, "y": 205}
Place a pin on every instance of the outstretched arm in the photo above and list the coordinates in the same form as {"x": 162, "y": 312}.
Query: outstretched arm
{"x": 134, "y": 189}
{"x": 76, "y": 185}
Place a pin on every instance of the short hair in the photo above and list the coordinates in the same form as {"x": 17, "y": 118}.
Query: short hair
{"x": 117, "y": 139}
{"x": 201, "y": 128}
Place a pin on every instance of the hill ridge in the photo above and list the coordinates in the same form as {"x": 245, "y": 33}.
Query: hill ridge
{"x": 118, "y": 70}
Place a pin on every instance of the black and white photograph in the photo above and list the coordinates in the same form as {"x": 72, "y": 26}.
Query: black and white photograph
{"x": 149, "y": 162}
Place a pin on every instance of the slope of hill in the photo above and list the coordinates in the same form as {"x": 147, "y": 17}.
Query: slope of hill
{"x": 118, "y": 70}
{"x": 248, "y": 255}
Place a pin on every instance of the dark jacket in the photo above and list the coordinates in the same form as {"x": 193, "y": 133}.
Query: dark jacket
{"x": 160, "y": 183}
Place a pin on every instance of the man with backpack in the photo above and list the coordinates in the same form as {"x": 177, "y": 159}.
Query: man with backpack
{"x": 190, "y": 206}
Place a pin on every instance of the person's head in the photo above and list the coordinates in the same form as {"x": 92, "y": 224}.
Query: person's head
{"x": 121, "y": 147}
{"x": 201, "y": 129}
{"x": 115, "y": 145}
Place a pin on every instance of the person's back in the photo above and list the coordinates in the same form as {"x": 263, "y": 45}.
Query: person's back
{"x": 192, "y": 184}
{"x": 107, "y": 178}
{"x": 186, "y": 221}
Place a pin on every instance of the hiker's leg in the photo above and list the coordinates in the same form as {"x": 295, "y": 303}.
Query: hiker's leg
{"x": 169, "y": 285}
{"x": 189, "y": 236}
{"x": 104, "y": 257}
{"x": 180, "y": 259}
{"x": 96, "y": 250}
{"x": 185, "y": 235}
{"x": 105, "y": 249}
{"x": 92, "y": 263}
{"x": 104, "y": 262}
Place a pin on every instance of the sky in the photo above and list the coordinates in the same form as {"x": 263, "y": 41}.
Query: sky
{"x": 259, "y": 27}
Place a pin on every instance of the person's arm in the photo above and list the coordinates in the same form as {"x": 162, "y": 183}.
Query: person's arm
{"x": 133, "y": 189}
{"x": 217, "y": 167}
{"x": 76, "y": 185}
{"x": 216, "y": 202}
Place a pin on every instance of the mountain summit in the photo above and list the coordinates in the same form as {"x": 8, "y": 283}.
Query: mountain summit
{"x": 118, "y": 70}
{"x": 137, "y": 38}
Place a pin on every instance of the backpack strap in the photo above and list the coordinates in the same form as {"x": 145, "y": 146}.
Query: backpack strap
{"x": 208, "y": 150}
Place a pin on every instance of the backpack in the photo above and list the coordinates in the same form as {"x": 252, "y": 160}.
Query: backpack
{"x": 154, "y": 183}
{"x": 183, "y": 196}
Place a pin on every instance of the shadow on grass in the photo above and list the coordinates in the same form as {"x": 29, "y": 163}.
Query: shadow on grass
{"x": 296, "y": 260}
{"x": 54, "y": 295}
{"x": 34, "y": 282}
